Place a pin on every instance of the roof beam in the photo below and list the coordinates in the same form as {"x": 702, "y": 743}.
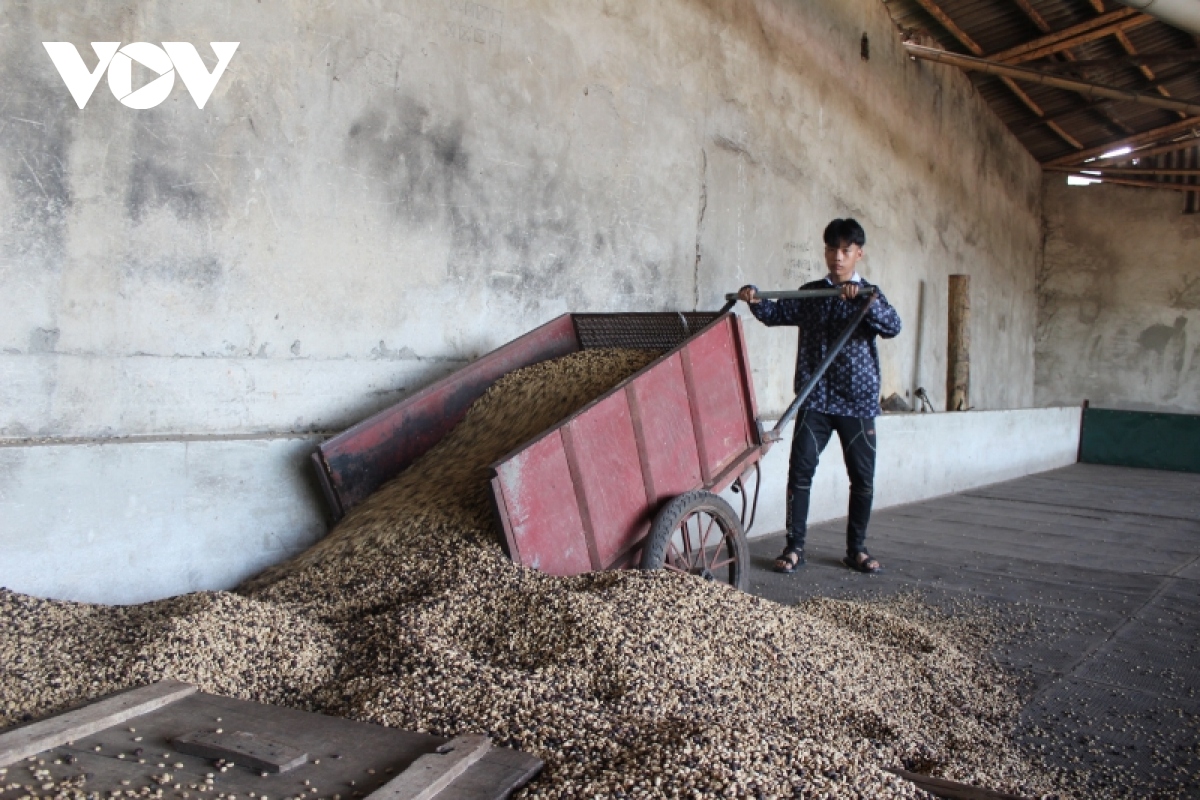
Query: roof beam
{"x": 1160, "y": 60}
{"x": 1085, "y": 32}
{"x": 958, "y": 33}
{"x": 1123, "y": 38}
{"x": 1161, "y": 150}
{"x": 969, "y": 43}
{"x": 1033, "y": 14}
{"x": 1119, "y": 171}
{"x": 1178, "y": 187}
{"x": 1137, "y": 140}
{"x": 1085, "y": 88}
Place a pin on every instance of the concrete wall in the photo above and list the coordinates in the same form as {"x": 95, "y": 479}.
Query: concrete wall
{"x": 927, "y": 455}
{"x": 1119, "y": 299}
{"x": 379, "y": 191}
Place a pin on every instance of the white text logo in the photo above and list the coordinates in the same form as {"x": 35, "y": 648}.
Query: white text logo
{"x": 172, "y": 57}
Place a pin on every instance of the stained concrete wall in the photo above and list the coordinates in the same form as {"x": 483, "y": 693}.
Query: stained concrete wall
{"x": 1119, "y": 299}
{"x": 379, "y": 191}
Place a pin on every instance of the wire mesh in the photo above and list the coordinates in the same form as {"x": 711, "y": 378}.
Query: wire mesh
{"x": 645, "y": 331}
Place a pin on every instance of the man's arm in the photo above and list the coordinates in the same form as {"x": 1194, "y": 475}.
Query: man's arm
{"x": 882, "y": 318}
{"x": 772, "y": 312}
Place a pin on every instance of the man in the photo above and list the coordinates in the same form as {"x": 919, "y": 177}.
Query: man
{"x": 846, "y": 399}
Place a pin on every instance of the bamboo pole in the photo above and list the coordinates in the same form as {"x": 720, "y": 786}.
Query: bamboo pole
{"x": 1176, "y": 187}
{"x": 958, "y": 342}
{"x": 1096, "y": 28}
{"x": 1137, "y": 140}
{"x": 1119, "y": 171}
{"x": 1090, "y": 90}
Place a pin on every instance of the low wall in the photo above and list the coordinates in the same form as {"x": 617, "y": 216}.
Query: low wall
{"x": 103, "y": 522}
{"x": 927, "y": 455}
{"x": 132, "y": 520}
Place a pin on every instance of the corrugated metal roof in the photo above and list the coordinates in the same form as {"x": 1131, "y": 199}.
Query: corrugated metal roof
{"x": 997, "y": 25}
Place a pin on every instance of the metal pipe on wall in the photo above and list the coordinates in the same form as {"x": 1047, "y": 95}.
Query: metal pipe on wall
{"x": 1183, "y": 14}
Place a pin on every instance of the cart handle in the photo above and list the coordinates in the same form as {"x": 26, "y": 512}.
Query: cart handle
{"x": 798, "y": 294}
{"x": 803, "y": 294}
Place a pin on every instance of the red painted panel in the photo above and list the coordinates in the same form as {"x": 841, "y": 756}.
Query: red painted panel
{"x": 542, "y": 509}
{"x": 746, "y": 380}
{"x": 718, "y": 395}
{"x": 610, "y": 476}
{"x": 664, "y": 424}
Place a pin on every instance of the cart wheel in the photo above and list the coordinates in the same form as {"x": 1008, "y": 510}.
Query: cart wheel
{"x": 698, "y": 533}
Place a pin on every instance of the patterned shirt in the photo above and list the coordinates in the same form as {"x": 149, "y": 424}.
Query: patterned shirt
{"x": 850, "y": 387}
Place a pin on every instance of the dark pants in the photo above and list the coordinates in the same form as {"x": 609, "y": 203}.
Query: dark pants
{"x": 812, "y": 433}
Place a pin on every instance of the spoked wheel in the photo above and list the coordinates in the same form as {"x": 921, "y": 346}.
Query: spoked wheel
{"x": 700, "y": 534}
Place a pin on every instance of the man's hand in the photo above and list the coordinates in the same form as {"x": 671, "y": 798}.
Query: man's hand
{"x": 747, "y": 295}
{"x": 851, "y": 291}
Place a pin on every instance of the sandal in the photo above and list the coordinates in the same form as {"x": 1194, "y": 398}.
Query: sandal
{"x": 791, "y": 559}
{"x": 862, "y": 562}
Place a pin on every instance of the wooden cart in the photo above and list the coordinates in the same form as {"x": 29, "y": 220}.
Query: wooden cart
{"x": 631, "y": 480}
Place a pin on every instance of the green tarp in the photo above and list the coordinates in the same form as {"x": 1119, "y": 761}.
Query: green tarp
{"x": 1141, "y": 439}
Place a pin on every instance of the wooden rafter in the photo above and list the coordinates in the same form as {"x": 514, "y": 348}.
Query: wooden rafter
{"x": 958, "y": 33}
{"x": 966, "y": 41}
{"x": 1093, "y": 29}
{"x": 1054, "y": 125}
{"x": 1179, "y": 187}
{"x": 1137, "y": 140}
{"x": 1148, "y": 59}
{"x": 1151, "y": 152}
{"x": 1033, "y": 14}
{"x": 1026, "y": 75}
{"x": 1119, "y": 171}
{"x": 1123, "y": 38}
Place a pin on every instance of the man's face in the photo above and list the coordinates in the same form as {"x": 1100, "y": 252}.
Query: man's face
{"x": 842, "y": 260}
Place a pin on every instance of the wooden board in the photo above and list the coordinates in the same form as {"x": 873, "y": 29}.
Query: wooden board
{"x": 433, "y": 772}
{"x": 28, "y": 740}
{"x": 347, "y": 760}
{"x": 241, "y": 747}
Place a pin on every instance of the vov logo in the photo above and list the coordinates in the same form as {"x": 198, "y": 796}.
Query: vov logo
{"x": 172, "y": 57}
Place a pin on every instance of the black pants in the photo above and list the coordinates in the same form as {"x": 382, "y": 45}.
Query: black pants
{"x": 812, "y": 433}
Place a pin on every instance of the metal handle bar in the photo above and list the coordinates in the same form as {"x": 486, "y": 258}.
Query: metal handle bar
{"x": 805, "y": 294}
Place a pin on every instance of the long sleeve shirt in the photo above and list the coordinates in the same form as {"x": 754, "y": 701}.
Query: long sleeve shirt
{"x": 850, "y": 387}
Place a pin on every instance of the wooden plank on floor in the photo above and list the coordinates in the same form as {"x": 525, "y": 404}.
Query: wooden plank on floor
{"x": 31, "y": 739}
{"x": 493, "y": 777}
{"x": 433, "y": 772}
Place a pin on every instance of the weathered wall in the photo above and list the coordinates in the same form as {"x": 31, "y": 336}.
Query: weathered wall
{"x": 926, "y": 455}
{"x": 1119, "y": 300}
{"x": 379, "y": 191}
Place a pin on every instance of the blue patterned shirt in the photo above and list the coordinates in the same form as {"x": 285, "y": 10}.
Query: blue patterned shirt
{"x": 850, "y": 387}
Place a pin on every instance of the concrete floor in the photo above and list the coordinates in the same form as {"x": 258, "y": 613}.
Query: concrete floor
{"x": 1104, "y": 560}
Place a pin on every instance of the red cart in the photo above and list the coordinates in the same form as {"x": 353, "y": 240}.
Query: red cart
{"x": 630, "y": 480}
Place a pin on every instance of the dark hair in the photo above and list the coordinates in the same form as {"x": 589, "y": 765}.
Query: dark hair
{"x": 845, "y": 230}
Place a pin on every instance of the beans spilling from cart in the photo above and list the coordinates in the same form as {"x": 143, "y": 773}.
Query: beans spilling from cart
{"x": 631, "y": 480}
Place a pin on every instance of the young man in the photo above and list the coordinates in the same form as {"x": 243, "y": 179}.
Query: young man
{"x": 846, "y": 399}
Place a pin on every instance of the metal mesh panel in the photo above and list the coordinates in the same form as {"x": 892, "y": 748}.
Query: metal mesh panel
{"x": 648, "y": 331}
